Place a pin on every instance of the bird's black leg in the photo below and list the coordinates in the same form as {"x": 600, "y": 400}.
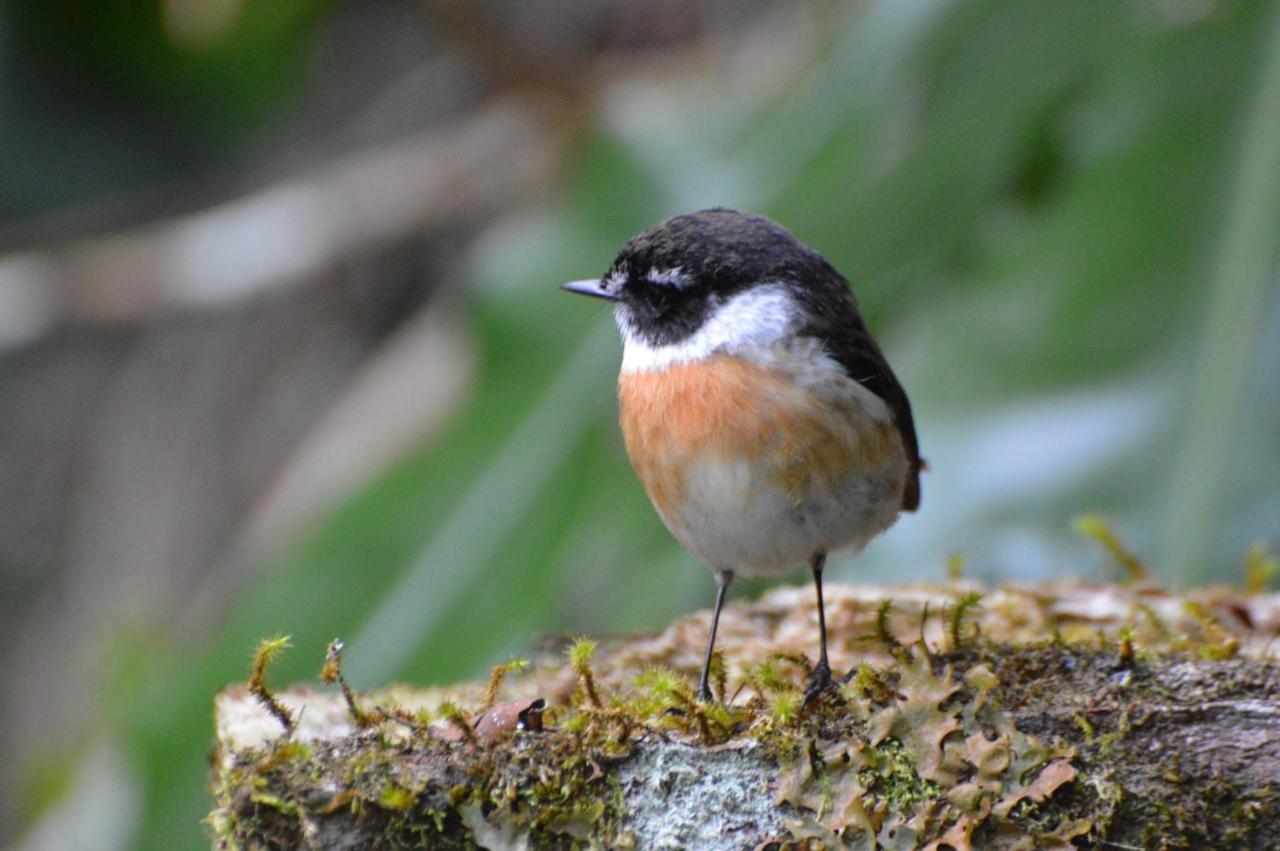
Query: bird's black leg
{"x": 723, "y": 578}
{"x": 821, "y": 680}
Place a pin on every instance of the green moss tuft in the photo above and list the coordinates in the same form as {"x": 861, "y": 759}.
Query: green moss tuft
{"x": 396, "y": 798}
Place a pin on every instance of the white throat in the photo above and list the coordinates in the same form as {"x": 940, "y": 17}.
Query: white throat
{"x": 751, "y": 321}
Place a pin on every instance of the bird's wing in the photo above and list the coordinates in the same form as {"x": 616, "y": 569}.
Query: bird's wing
{"x": 835, "y": 320}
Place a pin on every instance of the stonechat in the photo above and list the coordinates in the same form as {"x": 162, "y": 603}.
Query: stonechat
{"x": 764, "y": 422}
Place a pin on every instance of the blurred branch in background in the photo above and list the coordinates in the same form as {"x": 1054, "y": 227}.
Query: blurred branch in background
{"x": 284, "y": 351}
{"x": 283, "y": 235}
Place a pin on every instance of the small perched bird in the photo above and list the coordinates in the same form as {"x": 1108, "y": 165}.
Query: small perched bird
{"x": 765, "y": 424}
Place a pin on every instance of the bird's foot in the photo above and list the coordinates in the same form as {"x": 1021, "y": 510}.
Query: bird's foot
{"x": 819, "y": 681}
{"x": 705, "y": 695}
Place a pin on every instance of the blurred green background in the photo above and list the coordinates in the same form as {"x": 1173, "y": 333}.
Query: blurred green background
{"x": 281, "y": 348}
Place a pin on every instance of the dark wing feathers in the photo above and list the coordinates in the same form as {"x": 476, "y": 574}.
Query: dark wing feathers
{"x": 834, "y": 319}
{"x": 864, "y": 363}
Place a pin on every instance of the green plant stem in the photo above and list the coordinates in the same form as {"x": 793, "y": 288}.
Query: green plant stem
{"x": 1243, "y": 269}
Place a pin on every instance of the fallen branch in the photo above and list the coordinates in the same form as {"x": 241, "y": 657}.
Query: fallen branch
{"x": 1058, "y": 716}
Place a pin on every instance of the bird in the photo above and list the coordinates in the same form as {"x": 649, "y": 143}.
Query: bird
{"x": 760, "y": 415}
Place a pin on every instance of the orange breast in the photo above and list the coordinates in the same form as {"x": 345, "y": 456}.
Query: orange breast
{"x": 726, "y": 408}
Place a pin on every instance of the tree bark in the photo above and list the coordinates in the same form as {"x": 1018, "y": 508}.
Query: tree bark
{"x": 1053, "y": 716}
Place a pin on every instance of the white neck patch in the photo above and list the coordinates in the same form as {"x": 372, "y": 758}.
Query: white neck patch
{"x": 749, "y": 321}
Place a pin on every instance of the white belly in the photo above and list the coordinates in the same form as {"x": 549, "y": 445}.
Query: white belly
{"x": 734, "y": 517}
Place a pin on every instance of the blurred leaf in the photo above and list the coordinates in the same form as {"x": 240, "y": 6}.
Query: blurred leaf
{"x": 1244, "y": 270}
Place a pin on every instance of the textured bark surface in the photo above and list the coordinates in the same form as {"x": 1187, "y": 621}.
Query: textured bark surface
{"x": 1137, "y": 719}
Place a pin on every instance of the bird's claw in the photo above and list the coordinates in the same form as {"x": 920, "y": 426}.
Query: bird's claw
{"x": 819, "y": 681}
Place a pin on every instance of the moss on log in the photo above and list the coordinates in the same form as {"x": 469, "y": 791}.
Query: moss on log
{"x": 1050, "y": 716}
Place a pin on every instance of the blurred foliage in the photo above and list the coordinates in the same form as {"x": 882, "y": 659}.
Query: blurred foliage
{"x": 1027, "y": 198}
{"x": 217, "y": 65}
{"x": 105, "y": 95}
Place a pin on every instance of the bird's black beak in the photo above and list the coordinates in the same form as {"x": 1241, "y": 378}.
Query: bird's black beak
{"x": 594, "y": 287}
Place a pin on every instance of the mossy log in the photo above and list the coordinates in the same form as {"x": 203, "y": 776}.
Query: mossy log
{"x": 1050, "y": 716}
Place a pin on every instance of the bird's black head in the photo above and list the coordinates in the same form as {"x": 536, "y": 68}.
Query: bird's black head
{"x": 669, "y": 280}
